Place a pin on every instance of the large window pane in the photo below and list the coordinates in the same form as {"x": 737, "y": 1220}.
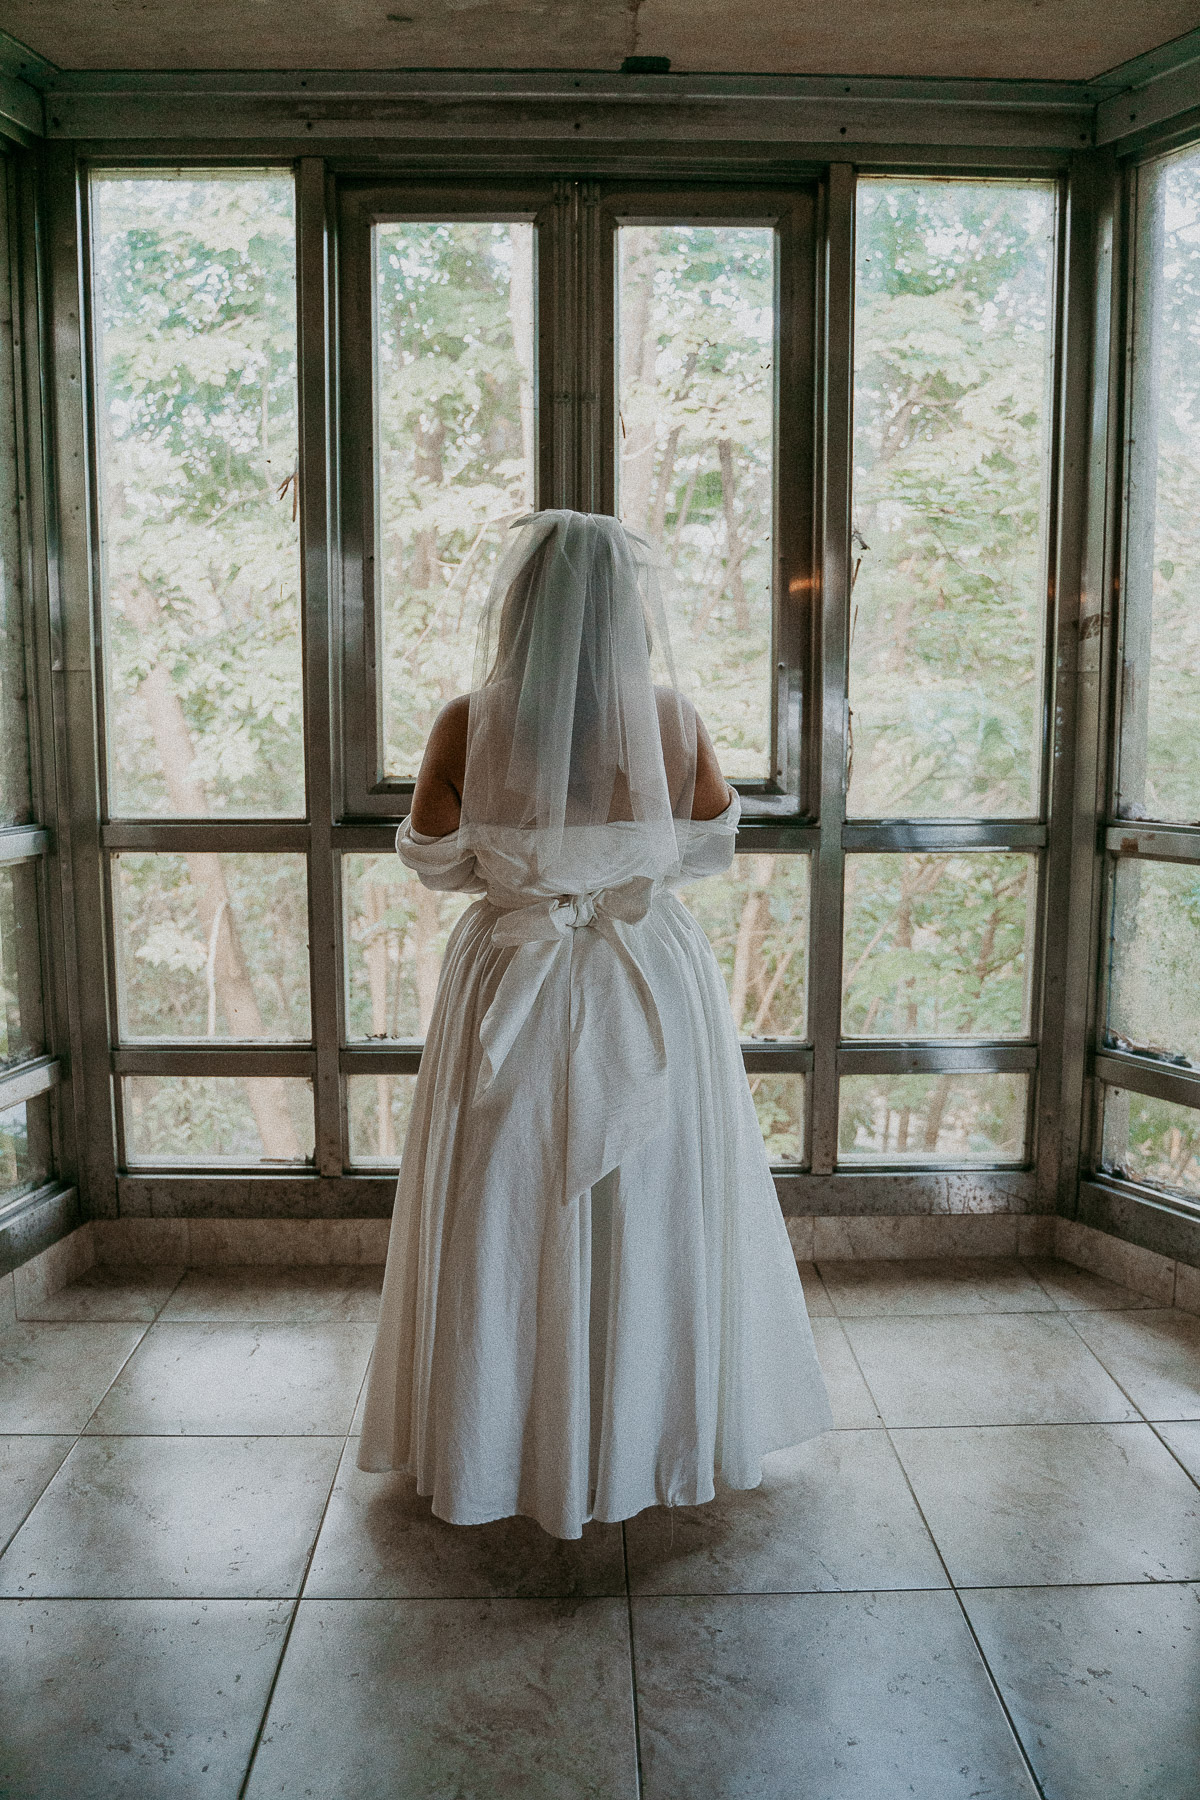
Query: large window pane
{"x": 1152, "y": 1141}
{"x": 1160, "y": 713}
{"x": 378, "y": 1107}
{"x": 1154, "y": 989}
{"x": 696, "y": 456}
{"x": 938, "y": 945}
{"x": 182, "y": 1119}
{"x": 756, "y": 918}
{"x": 212, "y": 946}
{"x": 953, "y": 353}
{"x": 21, "y": 1021}
{"x": 396, "y": 933}
{"x": 779, "y": 1103}
{"x": 14, "y": 711}
{"x": 454, "y": 425}
{"x": 195, "y": 313}
{"x": 932, "y": 1118}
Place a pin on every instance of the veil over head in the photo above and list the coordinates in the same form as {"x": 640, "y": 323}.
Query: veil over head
{"x": 576, "y": 717}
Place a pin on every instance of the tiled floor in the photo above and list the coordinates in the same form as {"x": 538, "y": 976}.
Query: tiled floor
{"x": 984, "y": 1583}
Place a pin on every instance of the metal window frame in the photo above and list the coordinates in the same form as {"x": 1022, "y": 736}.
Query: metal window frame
{"x": 332, "y": 829}
{"x": 1114, "y": 837}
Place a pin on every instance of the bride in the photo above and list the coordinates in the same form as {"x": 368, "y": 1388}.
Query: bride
{"x": 591, "y": 1305}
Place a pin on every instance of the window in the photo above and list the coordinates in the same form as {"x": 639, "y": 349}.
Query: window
{"x": 954, "y": 361}
{"x": 1149, "y": 1054}
{"x": 194, "y": 318}
{"x": 649, "y": 350}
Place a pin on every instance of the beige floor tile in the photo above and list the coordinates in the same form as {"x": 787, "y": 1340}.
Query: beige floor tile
{"x": 1154, "y": 1355}
{"x": 133, "y": 1293}
{"x": 816, "y": 1298}
{"x": 836, "y": 1696}
{"x": 26, "y": 1465}
{"x": 835, "y": 1513}
{"x": 1101, "y": 1683}
{"x": 849, "y": 1395}
{"x": 1026, "y": 1504}
{"x": 984, "y": 1369}
{"x": 428, "y": 1699}
{"x": 166, "y": 1517}
{"x": 1079, "y": 1290}
{"x": 913, "y": 1286}
{"x": 381, "y": 1540}
{"x": 133, "y": 1699}
{"x": 315, "y": 1295}
{"x": 53, "y": 1376}
{"x": 239, "y": 1381}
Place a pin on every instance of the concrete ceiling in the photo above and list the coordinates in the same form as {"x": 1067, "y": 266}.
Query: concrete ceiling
{"x": 1072, "y": 40}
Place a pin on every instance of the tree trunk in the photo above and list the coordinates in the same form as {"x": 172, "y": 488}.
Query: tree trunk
{"x": 427, "y": 964}
{"x": 735, "y": 549}
{"x": 637, "y": 398}
{"x": 230, "y": 974}
{"x": 751, "y": 928}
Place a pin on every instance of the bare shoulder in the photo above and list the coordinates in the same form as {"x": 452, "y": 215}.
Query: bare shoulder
{"x": 437, "y": 797}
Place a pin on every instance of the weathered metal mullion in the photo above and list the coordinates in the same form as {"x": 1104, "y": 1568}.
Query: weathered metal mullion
{"x": 28, "y": 1080}
{"x": 835, "y": 426}
{"x": 1147, "y": 1075}
{"x": 1064, "y": 558}
{"x": 315, "y": 351}
{"x": 1154, "y": 843}
{"x": 932, "y": 835}
{"x": 215, "y": 834}
{"x": 74, "y": 676}
{"x": 23, "y": 843}
{"x": 1099, "y": 660}
{"x": 213, "y": 1059}
{"x": 977, "y": 1058}
{"x": 24, "y": 273}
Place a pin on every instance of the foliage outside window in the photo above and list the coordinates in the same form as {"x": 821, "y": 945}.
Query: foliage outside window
{"x": 952, "y": 415}
{"x": 195, "y": 309}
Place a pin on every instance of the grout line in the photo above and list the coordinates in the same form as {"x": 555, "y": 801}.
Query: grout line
{"x": 637, "y": 1721}
{"x": 299, "y": 1595}
{"x": 953, "y": 1588}
{"x": 1170, "y": 1448}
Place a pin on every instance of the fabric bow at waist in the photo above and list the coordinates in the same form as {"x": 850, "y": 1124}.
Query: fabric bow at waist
{"x": 575, "y": 1008}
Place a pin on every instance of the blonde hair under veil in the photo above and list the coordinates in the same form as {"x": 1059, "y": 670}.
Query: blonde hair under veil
{"x": 568, "y": 725}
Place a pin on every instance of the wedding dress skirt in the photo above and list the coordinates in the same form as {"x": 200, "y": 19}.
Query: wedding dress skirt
{"x": 591, "y": 1303}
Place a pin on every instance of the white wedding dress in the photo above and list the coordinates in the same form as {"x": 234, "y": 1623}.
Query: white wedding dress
{"x": 591, "y": 1304}
{"x": 581, "y": 1342}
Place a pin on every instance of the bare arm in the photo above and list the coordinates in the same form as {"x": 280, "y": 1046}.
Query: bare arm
{"x": 712, "y": 793}
{"x": 437, "y": 797}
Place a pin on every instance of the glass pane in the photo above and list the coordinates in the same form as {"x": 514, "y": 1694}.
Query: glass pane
{"x": 696, "y": 457}
{"x": 1160, "y": 711}
{"x": 24, "y": 1147}
{"x": 952, "y": 413}
{"x": 218, "y": 1119}
{"x": 454, "y": 425}
{"x": 378, "y": 1107}
{"x": 938, "y": 945}
{"x": 1153, "y": 1141}
{"x": 1154, "y": 991}
{"x": 22, "y": 1025}
{"x": 396, "y": 935}
{"x": 932, "y": 1118}
{"x": 779, "y": 1103}
{"x": 195, "y": 310}
{"x": 756, "y": 919}
{"x": 14, "y": 715}
{"x": 211, "y": 946}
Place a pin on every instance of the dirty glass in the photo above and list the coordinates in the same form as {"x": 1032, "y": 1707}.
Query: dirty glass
{"x": 1154, "y": 986}
{"x": 1152, "y": 1141}
{"x": 945, "y": 1117}
{"x": 239, "y": 1120}
{"x": 396, "y": 933}
{"x": 755, "y": 915}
